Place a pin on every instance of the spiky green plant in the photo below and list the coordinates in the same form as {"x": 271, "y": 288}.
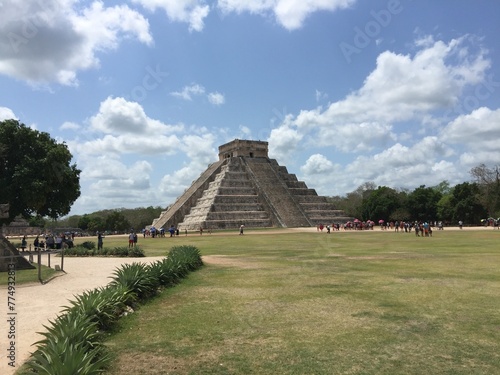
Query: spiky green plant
{"x": 187, "y": 255}
{"x": 163, "y": 272}
{"x": 67, "y": 358}
{"x": 136, "y": 278}
{"x": 102, "y": 305}
{"x": 71, "y": 345}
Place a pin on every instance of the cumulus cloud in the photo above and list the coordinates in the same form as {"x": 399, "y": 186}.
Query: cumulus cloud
{"x": 290, "y": 14}
{"x": 53, "y": 42}
{"x": 201, "y": 152}
{"x": 479, "y": 130}
{"x": 192, "y": 12}
{"x": 216, "y": 98}
{"x": 393, "y": 122}
{"x": 317, "y": 164}
{"x": 188, "y": 91}
{"x": 126, "y": 148}
{"x": 118, "y": 116}
{"x": 401, "y": 88}
{"x": 283, "y": 142}
{"x": 398, "y": 166}
{"x": 68, "y": 125}
{"x": 7, "y": 114}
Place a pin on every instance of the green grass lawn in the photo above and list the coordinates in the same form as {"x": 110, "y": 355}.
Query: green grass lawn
{"x": 312, "y": 303}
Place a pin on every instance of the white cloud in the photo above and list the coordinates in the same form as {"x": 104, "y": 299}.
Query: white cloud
{"x": 53, "y": 42}
{"x": 317, "y": 164}
{"x": 188, "y": 91}
{"x": 288, "y": 13}
{"x": 119, "y": 116}
{"x": 387, "y": 120}
{"x": 478, "y": 131}
{"x": 121, "y": 165}
{"x": 320, "y": 95}
{"x": 399, "y": 166}
{"x": 201, "y": 152}
{"x": 401, "y": 88}
{"x": 292, "y": 13}
{"x": 245, "y": 131}
{"x": 283, "y": 142}
{"x": 192, "y": 12}
{"x": 7, "y": 114}
{"x": 68, "y": 125}
{"x": 216, "y": 98}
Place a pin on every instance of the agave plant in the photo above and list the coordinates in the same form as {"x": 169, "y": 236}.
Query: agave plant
{"x": 71, "y": 345}
{"x": 67, "y": 358}
{"x": 75, "y": 328}
{"x": 136, "y": 278}
{"x": 187, "y": 255}
{"x": 102, "y": 305}
{"x": 163, "y": 271}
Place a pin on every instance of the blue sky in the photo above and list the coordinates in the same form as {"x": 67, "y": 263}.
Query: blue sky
{"x": 401, "y": 93}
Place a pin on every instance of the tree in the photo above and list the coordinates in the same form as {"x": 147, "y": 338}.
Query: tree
{"x": 488, "y": 181}
{"x": 352, "y": 205}
{"x": 380, "y": 204}
{"x": 466, "y": 204}
{"x": 36, "y": 174}
{"x": 96, "y": 223}
{"x": 116, "y": 221}
{"x": 422, "y": 203}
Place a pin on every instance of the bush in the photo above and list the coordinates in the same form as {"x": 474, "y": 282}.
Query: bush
{"x": 88, "y": 245}
{"x": 136, "y": 252}
{"x": 123, "y": 251}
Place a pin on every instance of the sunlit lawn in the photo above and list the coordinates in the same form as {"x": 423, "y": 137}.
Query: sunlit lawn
{"x": 312, "y": 303}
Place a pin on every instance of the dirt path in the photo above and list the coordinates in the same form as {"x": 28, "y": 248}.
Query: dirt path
{"x": 36, "y": 304}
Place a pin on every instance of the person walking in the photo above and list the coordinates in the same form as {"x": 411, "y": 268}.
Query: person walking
{"x": 99, "y": 240}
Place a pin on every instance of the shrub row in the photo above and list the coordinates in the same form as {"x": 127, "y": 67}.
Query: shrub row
{"x": 73, "y": 343}
{"x": 122, "y": 251}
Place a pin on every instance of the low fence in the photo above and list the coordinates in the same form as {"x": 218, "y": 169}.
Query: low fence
{"x": 43, "y": 258}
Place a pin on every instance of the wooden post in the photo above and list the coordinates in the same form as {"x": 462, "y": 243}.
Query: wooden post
{"x": 62, "y": 259}
{"x": 40, "y": 266}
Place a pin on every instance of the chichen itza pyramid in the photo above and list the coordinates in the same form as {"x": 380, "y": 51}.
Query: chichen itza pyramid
{"x": 246, "y": 187}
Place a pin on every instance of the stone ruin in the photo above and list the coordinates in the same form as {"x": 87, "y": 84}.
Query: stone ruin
{"x": 8, "y": 253}
{"x": 247, "y": 187}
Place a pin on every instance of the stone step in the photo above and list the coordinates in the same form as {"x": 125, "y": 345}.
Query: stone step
{"x": 249, "y": 223}
{"x": 296, "y": 184}
{"x": 236, "y": 183}
{"x": 302, "y": 191}
{"x": 310, "y": 199}
{"x": 320, "y": 206}
{"x": 232, "y": 199}
{"x": 222, "y": 207}
{"x": 332, "y": 213}
{"x": 238, "y": 215}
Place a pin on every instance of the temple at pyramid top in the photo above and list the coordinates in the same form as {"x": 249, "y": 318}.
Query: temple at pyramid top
{"x": 240, "y": 147}
{"x": 246, "y": 187}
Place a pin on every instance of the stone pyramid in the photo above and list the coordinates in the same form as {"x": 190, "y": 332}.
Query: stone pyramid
{"x": 246, "y": 187}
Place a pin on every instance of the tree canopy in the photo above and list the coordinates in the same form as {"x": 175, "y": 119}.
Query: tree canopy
{"x": 36, "y": 174}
